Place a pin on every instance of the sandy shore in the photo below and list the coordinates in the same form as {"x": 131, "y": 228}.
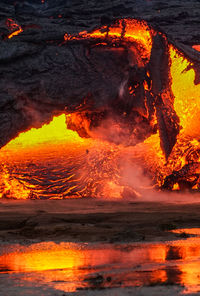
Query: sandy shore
{"x": 91, "y": 220}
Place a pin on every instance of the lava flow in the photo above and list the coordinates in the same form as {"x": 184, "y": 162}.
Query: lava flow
{"x": 54, "y": 162}
{"x": 14, "y": 27}
{"x": 152, "y": 139}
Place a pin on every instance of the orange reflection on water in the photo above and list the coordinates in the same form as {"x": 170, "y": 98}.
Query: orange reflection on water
{"x": 55, "y": 264}
{"x": 70, "y": 266}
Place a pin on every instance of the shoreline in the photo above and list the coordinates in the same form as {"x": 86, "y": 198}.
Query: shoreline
{"x": 94, "y": 221}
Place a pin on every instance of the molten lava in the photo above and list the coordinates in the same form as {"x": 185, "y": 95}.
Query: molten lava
{"x": 55, "y": 162}
{"x": 31, "y": 152}
{"x": 14, "y": 27}
{"x": 53, "y": 133}
{"x": 186, "y": 104}
{"x": 136, "y": 31}
{"x": 197, "y": 47}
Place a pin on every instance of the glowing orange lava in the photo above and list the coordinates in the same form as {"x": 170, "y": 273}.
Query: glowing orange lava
{"x": 186, "y": 104}
{"x": 197, "y": 47}
{"x": 14, "y": 27}
{"x": 75, "y": 164}
{"x": 50, "y": 142}
{"x": 135, "y": 31}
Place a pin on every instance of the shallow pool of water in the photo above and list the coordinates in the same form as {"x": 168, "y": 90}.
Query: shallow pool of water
{"x": 72, "y": 267}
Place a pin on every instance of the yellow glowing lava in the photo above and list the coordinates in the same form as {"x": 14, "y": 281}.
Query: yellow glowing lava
{"x": 186, "y": 94}
{"x": 15, "y": 33}
{"x": 12, "y": 188}
{"x": 17, "y": 29}
{"x": 55, "y": 132}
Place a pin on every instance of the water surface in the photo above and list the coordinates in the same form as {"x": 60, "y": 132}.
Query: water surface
{"x": 72, "y": 267}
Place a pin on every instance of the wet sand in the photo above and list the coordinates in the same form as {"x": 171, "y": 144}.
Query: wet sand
{"x": 92, "y": 220}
